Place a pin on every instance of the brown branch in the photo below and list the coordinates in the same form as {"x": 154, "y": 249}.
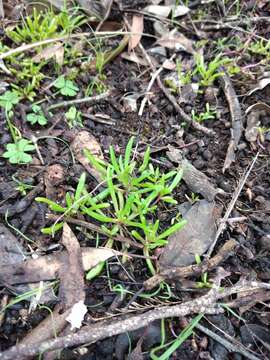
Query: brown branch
{"x": 206, "y": 304}
{"x": 192, "y": 270}
{"x": 95, "y": 228}
{"x": 236, "y": 117}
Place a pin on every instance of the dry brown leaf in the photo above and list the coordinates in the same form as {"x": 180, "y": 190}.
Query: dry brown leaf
{"x": 194, "y": 238}
{"x": 134, "y": 58}
{"x": 47, "y": 267}
{"x": 136, "y": 32}
{"x": 84, "y": 140}
{"x": 177, "y": 41}
{"x": 56, "y": 51}
{"x": 71, "y": 271}
{"x": 53, "y": 177}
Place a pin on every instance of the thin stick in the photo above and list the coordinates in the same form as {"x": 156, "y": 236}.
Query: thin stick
{"x": 89, "y": 334}
{"x": 237, "y": 348}
{"x": 154, "y": 76}
{"x": 91, "y": 99}
{"x": 225, "y": 218}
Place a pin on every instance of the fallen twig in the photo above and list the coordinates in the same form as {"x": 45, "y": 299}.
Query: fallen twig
{"x": 236, "y": 194}
{"x": 192, "y": 270}
{"x": 236, "y": 117}
{"x": 229, "y": 345}
{"x": 91, "y": 99}
{"x": 206, "y": 304}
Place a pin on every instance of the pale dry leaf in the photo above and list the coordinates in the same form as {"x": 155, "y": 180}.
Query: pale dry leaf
{"x": 165, "y": 10}
{"x": 75, "y": 318}
{"x": 194, "y": 238}
{"x": 136, "y": 32}
{"x": 252, "y": 126}
{"x": 176, "y": 41}
{"x": 261, "y": 85}
{"x": 47, "y": 267}
{"x": 56, "y": 51}
{"x": 159, "y": 10}
{"x": 85, "y": 140}
{"x": 71, "y": 272}
{"x": 134, "y": 58}
{"x": 180, "y": 10}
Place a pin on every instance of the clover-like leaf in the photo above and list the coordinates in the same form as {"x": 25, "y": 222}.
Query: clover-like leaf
{"x": 37, "y": 116}
{"x": 17, "y": 152}
{"x": 66, "y": 87}
{"x": 9, "y": 99}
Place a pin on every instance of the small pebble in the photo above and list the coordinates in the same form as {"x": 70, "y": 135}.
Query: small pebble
{"x": 207, "y": 155}
{"x": 199, "y": 164}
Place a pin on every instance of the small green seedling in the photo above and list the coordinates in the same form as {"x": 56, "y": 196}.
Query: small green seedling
{"x": 17, "y": 153}
{"x": 44, "y": 25}
{"x": 209, "y": 72}
{"x": 261, "y": 47}
{"x": 37, "y": 116}
{"x": 207, "y": 115}
{"x": 204, "y": 283}
{"x": 128, "y": 203}
{"x": 9, "y": 99}
{"x": 66, "y": 87}
{"x": 74, "y": 117}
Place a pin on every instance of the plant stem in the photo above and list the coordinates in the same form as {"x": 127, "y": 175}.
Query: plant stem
{"x": 11, "y": 128}
{"x": 148, "y": 260}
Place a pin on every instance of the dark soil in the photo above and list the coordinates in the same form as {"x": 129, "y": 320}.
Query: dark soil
{"x": 159, "y": 127}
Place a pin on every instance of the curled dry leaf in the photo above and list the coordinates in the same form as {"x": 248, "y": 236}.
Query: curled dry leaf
{"x": 261, "y": 85}
{"x": 136, "y": 32}
{"x": 56, "y": 51}
{"x": 84, "y": 140}
{"x": 177, "y": 41}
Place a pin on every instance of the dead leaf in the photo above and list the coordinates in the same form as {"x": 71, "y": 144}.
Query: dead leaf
{"x": 47, "y": 267}
{"x": 53, "y": 177}
{"x": 56, "y": 51}
{"x": 177, "y": 41}
{"x": 253, "y": 122}
{"x": 136, "y": 32}
{"x": 194, "y": 238}
{"x": 165, "y": 10}
{"x": 84, "y": 140}
{"x": 75, "y": 318}
{"x": 259, "y": 106}
{"x": 134, "y": 58}
{"x": 71, "y": 271}
{"x": 261, "y": 85}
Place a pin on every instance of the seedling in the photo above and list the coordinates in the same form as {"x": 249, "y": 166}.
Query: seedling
{"x": 261, "y": 47}
{"x": 172, "y": 346}
{"x": 74, "y": 117}
{"x": 207, "y": 115}
{"x": 128, "y": 202}
{"x": 209, "y": 73}
{"x": 66, "y": 87}
{"x": 44, "y": 25}
{"x": 37, "y": 116}
{"x": 9, "y": 99}
{"x": 17, "y": 153}
{"x": 21, "y": 186}
{"x": 204, "y": 283}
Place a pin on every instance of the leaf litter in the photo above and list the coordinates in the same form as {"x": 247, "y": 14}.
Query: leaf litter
{"x": 199, "y": 151}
